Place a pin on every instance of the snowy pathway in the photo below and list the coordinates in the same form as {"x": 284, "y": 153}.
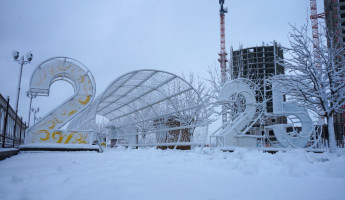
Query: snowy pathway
{"x": 155, "y": 174}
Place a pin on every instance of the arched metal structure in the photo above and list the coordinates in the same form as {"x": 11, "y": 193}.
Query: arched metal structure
{"x": 150, "y": 108}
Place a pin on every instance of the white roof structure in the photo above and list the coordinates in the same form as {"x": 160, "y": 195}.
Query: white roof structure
{"x": 148, "y": 108}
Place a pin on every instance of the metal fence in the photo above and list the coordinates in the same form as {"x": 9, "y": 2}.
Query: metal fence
{"x": 10, "y": 137}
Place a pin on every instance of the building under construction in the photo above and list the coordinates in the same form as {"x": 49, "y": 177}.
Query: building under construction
{"x": 335, "y": 21}
{"x": 335, "y": 18}
{"x": 257, "y": 64}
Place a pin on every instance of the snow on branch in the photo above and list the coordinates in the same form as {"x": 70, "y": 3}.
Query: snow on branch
{"x": 314, "y": 79}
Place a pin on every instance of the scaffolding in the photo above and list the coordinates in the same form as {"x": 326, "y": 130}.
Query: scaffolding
{"x": 335, "y": 21}
{"x": 258, "y": 64}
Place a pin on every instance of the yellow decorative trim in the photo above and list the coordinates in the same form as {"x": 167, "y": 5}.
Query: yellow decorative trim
{"x": 72, "y": 112}
{"x": 47, "y": 136}
{"x": 68, "y": 138}
{"x": 86, "y": 101}
{"x": 82, "y": 79}
{"x": 51, "y": 127}
{"x": 60, "y": 136}
{"x": 63, "y": 68}
{"x": 80, "y": 137}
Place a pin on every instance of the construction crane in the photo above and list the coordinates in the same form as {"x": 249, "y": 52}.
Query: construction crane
{"x": 222, "y": 55}
{"x": 315, "y": 26}
{"x": 315, "y": 31}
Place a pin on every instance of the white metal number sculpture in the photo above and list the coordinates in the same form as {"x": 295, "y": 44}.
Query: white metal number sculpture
{"x": 280, "y": 108}
{"x": 240, "y": 93}
{"x": 243, "y": 95}
{"x": 47, "y": 129}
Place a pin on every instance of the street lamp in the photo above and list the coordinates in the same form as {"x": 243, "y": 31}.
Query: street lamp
{"x": 22, "y": 62}
{"x": 35, "y": 111}
{"x": 31, "y": 96}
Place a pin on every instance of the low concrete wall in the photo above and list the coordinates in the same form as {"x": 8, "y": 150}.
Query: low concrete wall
{"x": 7, "y": 153}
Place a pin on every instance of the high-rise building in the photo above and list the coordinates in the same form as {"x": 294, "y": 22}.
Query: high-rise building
{"x": 257, "y": 64}
{"x": 335, "y": 18}
{"x": 335, "y": 22}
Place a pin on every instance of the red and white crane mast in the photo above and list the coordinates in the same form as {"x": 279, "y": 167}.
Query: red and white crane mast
{"x": 315, "y": 26}
{"x": 222, "y": 55}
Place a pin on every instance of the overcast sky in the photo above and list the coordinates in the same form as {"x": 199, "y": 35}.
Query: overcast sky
{"x": 113, "y": 37}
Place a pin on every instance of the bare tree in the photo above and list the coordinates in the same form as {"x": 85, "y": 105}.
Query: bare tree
{"x": 192, "y": 99}
{"x": 206, "y": 94}
{"x": 315, "y": 79}
{"x": 101, "y": 132}
{"x": 214, "y": 81}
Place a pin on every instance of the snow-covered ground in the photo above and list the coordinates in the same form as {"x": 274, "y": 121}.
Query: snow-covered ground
{"x": 155, "y": 174}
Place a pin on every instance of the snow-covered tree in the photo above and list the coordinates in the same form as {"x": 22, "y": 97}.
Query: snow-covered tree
{"x": 202, "y": 89}
{"x": 100, "y": 130}
{"x": 191, "y": 99}
{"x": 214, "y": 82}
{"x": 315, "y": 79}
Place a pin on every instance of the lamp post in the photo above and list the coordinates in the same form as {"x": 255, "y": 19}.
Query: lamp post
{"x": 35, "y": 111}
{"x": 21, "y": 62}
{"x": 29, "y": 94}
